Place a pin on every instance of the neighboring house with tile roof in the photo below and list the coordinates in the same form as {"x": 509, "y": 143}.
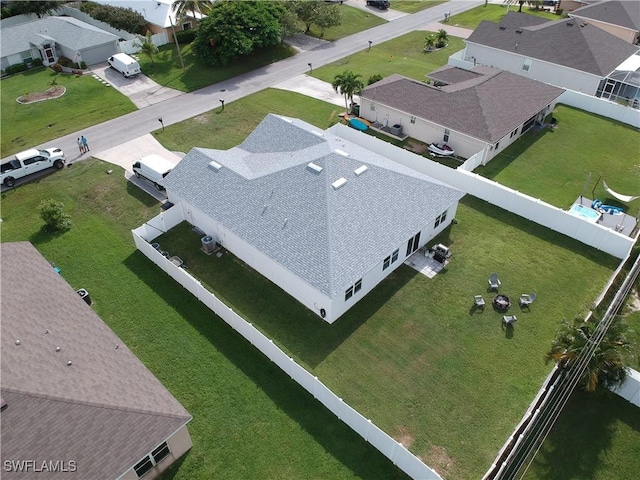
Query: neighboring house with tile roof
{"x": 567, "y": 53}
{"x": 50, "y": 38}
{"x": 322, "y": 218}
{"x": 620, "y": 18}
{"x": 74, "y": 397}
{"x": 479, "y": 110}
{"x": 158, "y": 13}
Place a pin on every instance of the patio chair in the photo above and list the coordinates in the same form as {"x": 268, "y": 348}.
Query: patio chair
{"x": 509, "y": 320}
{"x": 479, "y": 301}
{"x": 526, "y": 299}
{"x": 494, "y": 283}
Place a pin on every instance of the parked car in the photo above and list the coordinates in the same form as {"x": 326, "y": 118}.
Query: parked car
{"x": 153, "y": 168}
{"x": 29, "y": 162}
{"x": 123, "y": 63}
{"x": 381, "y": 4}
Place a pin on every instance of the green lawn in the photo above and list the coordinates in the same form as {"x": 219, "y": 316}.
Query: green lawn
{"x": 86, "y": 102}
{"x": 418, "y": 358}
{"x": 595, "y": 438}
{"x": 354, "y": 20}
{"x": 493, "y": 13}
{"x": 554, "y": 165}
{"x": 413, "y": 6}
{"x": 166, "y": 69}
{"x": 228, "y": 128}
{"x": 250, "y": 420}
{"x": 404, "y": 55}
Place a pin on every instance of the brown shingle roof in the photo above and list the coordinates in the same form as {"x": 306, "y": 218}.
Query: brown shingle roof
{"x": 625, "y": 14}
{"x": 106, "y": 408}
{"x": 568, "y": 42}
{"x": 487, "y": 110}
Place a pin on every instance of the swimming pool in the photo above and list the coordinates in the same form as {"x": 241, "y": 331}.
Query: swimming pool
{"x": 586, "y": 213}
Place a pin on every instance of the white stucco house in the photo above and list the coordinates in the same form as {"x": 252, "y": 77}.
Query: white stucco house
{"x": 322, "y": 218}
{"x": 478, "y": 110}
{"x": 50, "y": 38}
{"x": 620, "y": 18}
{"x": 568, "y": 53}
{"x": 159, "y": 14}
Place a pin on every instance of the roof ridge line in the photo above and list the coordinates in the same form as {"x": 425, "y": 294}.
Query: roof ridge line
{"x": 95, "y": 404}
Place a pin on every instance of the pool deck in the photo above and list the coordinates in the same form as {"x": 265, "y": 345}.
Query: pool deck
{"x": 624, "y": 224}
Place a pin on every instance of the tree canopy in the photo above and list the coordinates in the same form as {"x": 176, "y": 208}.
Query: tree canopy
{"x": 607, "y": 366}
{"x": 234, "y": 29}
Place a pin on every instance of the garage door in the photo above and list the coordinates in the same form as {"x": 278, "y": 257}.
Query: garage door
{"x": 98, "y": 54}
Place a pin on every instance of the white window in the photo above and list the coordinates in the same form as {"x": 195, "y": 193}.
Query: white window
{"x": 349, "y": 293}
{"x": 152, "y": 459}
{"x": 186, "y": 26}
{"x": 526, "y": 65}
{"x": 358, "y": 286}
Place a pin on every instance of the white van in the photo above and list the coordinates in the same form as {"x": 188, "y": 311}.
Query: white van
{"x": 153, "y": 168}
{"x": 123, "y": 63}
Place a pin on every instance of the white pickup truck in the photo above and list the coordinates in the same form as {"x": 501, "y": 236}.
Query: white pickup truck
{"x": 30, "y": 161}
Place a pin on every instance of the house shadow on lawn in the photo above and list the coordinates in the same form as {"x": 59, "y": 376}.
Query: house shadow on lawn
{"x": 278, "y": 315}
{"x": 584, "y": 430}
{"x": 338, "y": 439}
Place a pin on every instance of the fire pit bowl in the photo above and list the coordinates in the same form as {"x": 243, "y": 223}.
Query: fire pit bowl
{"x": 501, "y": 303}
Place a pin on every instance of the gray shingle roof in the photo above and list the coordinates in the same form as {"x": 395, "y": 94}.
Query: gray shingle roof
{"x": 624, "y": 13}
{"x": 106, "y": 410}
{"x": 328, "y": 237}
{"x": 567, "y": 42}
{"x": 67, "y": 31}
{"x": 487, "y": 106}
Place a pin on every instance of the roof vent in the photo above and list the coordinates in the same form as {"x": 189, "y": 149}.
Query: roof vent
{"x": 569, "y": 24}
{"x": 316, "y": 168}
{"x": 317, "y": 134}
{"x": 518, "y": 31}
{"x": 17, "y": 342}
{"x": 338, "y": 183}
{"x": 57, "y": 349}
{"x": 2, "y": 403}
{"x": 341, "y": 152}
{"x": 360, "y": 170}
{"x": 286, "y": 220}
{"x": 215, "y": 166}
{"x": 69, "y": 363}
{"x": 502, "y": 27}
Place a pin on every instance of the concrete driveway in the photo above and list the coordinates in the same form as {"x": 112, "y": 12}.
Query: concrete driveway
{"x": 141, "y": 90}
{"x": 312, "y": 87}
{"x": 126, "y": 154}
{"x": 389, "y": 14}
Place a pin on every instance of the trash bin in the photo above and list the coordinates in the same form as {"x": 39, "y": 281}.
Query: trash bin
{"x": 84, "y": 295}
{"x": 356, "y": 109}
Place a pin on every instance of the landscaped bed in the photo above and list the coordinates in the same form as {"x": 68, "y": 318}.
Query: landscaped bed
{"x": 413, "y": 355}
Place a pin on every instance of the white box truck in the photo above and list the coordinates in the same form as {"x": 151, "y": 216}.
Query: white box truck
{"x": 123, "y": 63}
{"x": 153, "y": 168}
{"x": 30, "y": 161}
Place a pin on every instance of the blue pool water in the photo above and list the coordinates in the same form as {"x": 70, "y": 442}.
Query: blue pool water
{"x": 587, "y": 213}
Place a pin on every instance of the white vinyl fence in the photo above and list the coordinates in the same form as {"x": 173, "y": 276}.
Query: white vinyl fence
{"x": 534, "y": 209}
{"x": 392, "y": 449}
{"x": 630, "y": 389}
{"x": 600, "y": 106}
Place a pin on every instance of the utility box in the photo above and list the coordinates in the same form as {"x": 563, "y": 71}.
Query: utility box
{"x": 84, "y": 295}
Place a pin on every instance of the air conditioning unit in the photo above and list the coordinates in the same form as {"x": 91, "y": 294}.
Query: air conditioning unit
{"x": 208, "y": 244}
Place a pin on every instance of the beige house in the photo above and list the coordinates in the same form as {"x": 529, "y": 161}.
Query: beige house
{"x": 76, "y": 402}
{"x": 619, "y": 18}
{"x": 478, "y": 110}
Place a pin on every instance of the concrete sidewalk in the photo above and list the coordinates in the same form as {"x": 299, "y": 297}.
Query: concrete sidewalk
{"x": 312, "y": 87}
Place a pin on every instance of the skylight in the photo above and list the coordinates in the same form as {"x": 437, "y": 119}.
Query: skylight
{"x": 314, "y": 167}
{"x": 360, "y": 170}
{"x": 213, "y": 165}
{"x": 338, "y": 183}
{"x": 341, "y": 152}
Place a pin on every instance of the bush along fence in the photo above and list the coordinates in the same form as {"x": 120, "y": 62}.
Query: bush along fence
{"x": 393, "y": 450}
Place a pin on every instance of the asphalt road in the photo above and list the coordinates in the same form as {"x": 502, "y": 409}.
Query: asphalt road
{"x": 125, "y": 128}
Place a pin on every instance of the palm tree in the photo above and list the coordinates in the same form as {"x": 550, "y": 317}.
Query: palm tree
{"x": 430, "y": 41}
{"x": 183, "y": 7}
{"x": 348, "y": 84}
{"x": 148, "y": 47}
{"x": 441, "y": 38}
{"x": 607, "y": 365}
